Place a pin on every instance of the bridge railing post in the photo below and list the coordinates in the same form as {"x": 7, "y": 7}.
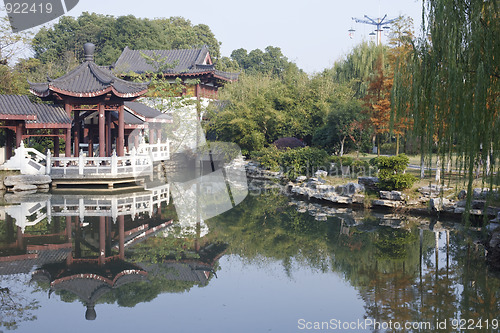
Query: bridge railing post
{"x": 133, "y": 160}
{"x": 81, "y": 163}
{"x": 114, "y": 163}
{"x": 48, "y": 167}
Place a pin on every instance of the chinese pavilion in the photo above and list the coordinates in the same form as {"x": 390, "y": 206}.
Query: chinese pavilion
{"x": 185, "y": 64}
{"x": 100, "y": 105}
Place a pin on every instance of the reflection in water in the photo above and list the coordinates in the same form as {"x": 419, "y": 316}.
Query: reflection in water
{"x": 97, "y": 247}
{"x": 406, "y": 269}
{"x": 128, "y": 249}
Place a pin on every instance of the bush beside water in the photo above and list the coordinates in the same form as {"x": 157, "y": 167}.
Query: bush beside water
{"x": 391, "y": 172}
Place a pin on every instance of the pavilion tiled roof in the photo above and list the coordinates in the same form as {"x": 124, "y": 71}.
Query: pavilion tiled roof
{"x": 36, "y": 115}
{"x": 50, "y": 114}
{"x": 15, "y": 106}
{"x": 89, "y": 80}
{"x": 147, "y": 113}
{"x": 186, "y": 62}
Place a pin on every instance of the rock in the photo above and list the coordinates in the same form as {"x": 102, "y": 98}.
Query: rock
{"x": 440, "y": 204}
{"x": 370, "y": 183}
{"x": 387, "y": 203}
{"x": 353, "y": 188}
{"x": 392, "y": 195}
{"x": 482, "y": 193}
{"x": 300, "y": 179}
{"x": 27, "y": 179}
{"x": 358, "y": 198}
{"x": 320, "y": 173}
{"x": 462, "y": 195}
{"x": 433, "y": 191}
{"x": 24, "y": 187}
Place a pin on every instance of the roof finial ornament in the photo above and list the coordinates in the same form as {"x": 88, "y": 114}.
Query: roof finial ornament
{"x": 88, "y": 49}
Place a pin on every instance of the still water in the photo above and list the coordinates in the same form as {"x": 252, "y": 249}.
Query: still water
{"x": 125, "y": 263}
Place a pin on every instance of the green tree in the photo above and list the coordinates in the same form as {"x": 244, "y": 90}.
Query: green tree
{"x": 454, "y": 91}
{"x": 111, "y": 35}
{"x": 271, "y": 61}
{"x": 335, "y": 134}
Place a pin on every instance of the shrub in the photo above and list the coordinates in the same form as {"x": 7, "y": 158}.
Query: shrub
{"x": 374, "y": 161}
{"x": 288, "y": 142}
{"x": 302, "y": 161}
{"x": 346, "y": 160}
{"x": 391, "y": 174}
{"x": 390, "y": 181}
{"x": 360, "y": 166}
{"x": 396, "y": 163}
{"x": 268, "y": 157}
{"x": 293, "y": 162}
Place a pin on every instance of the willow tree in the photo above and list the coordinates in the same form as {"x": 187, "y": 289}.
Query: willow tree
{"x": 454, "y": 95}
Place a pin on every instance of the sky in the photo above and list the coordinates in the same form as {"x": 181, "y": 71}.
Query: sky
{"x": 311, "y": 33}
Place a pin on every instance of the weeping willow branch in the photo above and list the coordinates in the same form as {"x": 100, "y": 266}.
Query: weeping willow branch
{"x": 450, "y": 86}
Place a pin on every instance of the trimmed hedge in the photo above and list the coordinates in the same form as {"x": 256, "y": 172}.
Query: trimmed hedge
{"x": 391, "y": 172}
{"x": 293, "y": 162}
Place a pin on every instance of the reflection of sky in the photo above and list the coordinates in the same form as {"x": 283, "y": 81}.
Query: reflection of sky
{"x": 245, "y": 297}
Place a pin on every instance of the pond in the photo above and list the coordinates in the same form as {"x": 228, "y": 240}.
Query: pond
{"x": 124, "y": 263}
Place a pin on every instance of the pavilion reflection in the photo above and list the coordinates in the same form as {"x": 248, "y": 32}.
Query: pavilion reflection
{"x": 91, "y": 246}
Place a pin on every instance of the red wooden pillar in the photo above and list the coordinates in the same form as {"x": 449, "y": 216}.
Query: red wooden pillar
{"x": 121, "y": 132}
{"x": 19, "y": 134}
{"x": 67, "y": 147}
{"x": 67, "y": 144}
{"x": 76, "y": 133}
{"x": 102, "y": 132}
{"x": 8, "y": 144}
{"x": 108, "y": 134}
{"x": 121, "y": 230}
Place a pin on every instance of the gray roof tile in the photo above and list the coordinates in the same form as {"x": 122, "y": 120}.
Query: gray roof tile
{"x": 16, "y": 105}
{"x": 146, "y": 111}
{"x": 50, "y": 114}
{"x": 186, "y": 61}
{"x": 88, "y": 79}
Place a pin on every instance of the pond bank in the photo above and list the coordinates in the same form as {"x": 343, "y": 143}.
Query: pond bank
{"x": 323, "y": 199}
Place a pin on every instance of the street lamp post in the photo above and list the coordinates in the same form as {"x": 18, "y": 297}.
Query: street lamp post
{"x": 380, "y": 23}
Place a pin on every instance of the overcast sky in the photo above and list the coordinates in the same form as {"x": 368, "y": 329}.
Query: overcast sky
{"x": 311, "y": 33}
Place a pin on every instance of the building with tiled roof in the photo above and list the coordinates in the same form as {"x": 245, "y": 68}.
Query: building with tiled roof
{"x": 88, "y": 80}
{"x": 186, "y": 64}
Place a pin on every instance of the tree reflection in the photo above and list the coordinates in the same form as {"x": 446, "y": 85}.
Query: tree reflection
{"x": 406, "y": 273}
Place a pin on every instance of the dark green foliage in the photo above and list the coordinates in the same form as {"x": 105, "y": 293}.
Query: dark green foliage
{"x": 391, "y": 172}
{"x": 111, "y": 35}
{"x": 293, "y": 162}
{"x": 360, "y": 166}
{"x": 260, "y": 109}
{"x": 284, "y": 143}
{"x": 344, "y": 160}
{"x": 390, "y": 181}
{"x": 271, "y": 61}
{"x": 339, "y": 130}
{"x": 397, "y": 163}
